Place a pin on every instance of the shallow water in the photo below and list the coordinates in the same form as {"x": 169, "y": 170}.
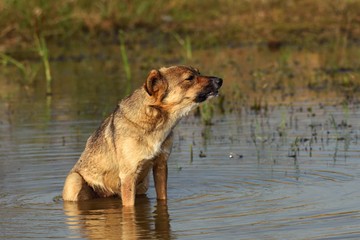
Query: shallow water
{"x": 288, "y": 172}
{"x": 249, "y": 183}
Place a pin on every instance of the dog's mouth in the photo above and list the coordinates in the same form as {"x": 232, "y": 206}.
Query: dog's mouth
{"x": 212, "y": 90}
{"x": 201, "y": 97}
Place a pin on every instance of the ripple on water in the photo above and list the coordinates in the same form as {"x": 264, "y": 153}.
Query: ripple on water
{"x": 259, "y": 193}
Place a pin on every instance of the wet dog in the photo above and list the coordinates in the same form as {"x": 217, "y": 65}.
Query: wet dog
{"x": 137, "y": 136}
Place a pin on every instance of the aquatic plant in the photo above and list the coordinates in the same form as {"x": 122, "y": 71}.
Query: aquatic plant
{"x": 191, "y": 153}
{"x": 206, "y": 113}
{"x": 125, "y": 60}
{"x": 186, "y": 45}
{"x": 43, "y": 52}
{"x": 334, "y": 124}
{"x": 258, "y": 106}
{"x": 28, "y": 72}
{"x": 258, "y": 138}
{"x": 337, "y": 136}
{"x": 294, "y": 148}
{"x": 281, "y": 129}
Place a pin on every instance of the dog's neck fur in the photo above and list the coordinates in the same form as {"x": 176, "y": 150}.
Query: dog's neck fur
{"x": 150, "y": 116}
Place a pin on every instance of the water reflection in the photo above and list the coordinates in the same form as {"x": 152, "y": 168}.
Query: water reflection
{"x": 107, "y": 219}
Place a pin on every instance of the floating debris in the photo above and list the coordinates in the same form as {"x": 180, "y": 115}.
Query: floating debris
{"x": 232, "y": 155}
{"x": 202, "y": 155}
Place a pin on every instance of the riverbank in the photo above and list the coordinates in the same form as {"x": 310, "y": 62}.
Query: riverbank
{"x": 206, "y": 23}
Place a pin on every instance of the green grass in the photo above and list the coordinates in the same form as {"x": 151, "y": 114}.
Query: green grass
{"x": 203, "y": 22}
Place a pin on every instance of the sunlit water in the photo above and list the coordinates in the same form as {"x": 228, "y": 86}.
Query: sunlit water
{"x": 290, "y": 173}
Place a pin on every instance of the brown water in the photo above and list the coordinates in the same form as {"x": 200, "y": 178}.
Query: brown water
{"x": 291, "y": 172}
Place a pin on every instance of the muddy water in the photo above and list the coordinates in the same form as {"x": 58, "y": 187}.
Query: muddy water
{"x": 290, "y": 172}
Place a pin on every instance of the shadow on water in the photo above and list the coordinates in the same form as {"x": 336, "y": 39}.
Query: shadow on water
{"x": 106, "y": 219}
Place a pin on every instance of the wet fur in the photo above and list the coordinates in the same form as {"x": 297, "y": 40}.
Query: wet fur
{"x": 137, "y": 137}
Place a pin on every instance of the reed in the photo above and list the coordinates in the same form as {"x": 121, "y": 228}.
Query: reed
{"x": 191, "y": 153}
{"x": 125, "y": 60}
{"x": 294, "y": 148}
{"x": 43, "y": 52}
{"x": 257, "y": 138}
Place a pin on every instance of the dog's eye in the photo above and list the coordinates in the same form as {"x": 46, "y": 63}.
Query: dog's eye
{"x": 189, "y": 78}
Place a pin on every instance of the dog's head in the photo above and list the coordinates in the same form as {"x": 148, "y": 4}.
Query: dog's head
{"x": 180, "y": 87}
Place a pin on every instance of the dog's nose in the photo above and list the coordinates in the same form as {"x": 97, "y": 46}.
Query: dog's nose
{"x": 217, "y": 81}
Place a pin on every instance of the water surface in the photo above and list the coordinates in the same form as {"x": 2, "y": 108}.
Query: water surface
{"x": 251, "y": 184}
{"x": 287, "y": 171}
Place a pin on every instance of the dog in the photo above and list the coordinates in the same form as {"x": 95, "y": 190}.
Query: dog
{"x": 138, "y": 136}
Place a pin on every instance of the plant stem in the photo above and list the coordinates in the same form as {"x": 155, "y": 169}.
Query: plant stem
{"x": 125, "y": 59}
{"x": 44, "y": 54}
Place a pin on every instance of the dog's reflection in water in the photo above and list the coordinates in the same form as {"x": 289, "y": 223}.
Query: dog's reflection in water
{"x": 107, "y": 219}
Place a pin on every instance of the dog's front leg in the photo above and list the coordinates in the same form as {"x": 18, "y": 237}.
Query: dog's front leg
{"x": 160, "y": 169}
{"x": 160, "y": 172}
{"x": 128, "y": 189}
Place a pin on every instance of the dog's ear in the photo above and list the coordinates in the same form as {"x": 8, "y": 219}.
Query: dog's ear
{"x": 155, "y": 85}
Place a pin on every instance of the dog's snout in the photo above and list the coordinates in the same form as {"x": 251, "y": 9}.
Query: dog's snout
{"x": 217, "y": 81}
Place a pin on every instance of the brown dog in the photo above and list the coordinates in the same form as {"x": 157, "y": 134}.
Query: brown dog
{"x": 137, "y": 136}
